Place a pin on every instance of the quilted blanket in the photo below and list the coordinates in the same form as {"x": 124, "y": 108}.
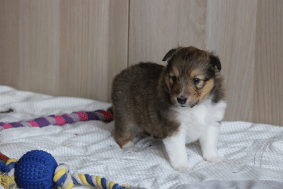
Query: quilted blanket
{"x": 253, "y": 152}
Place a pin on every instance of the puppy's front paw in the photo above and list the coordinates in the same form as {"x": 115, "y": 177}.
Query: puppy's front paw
{"x": 214, "y": 159}
{"x": 181, "y": 167}
{"x": 129, "y": 147}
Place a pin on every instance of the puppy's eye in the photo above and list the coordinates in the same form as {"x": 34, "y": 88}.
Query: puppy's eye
{"x": 174, "y": 78}
{"x": 196, "y": 80}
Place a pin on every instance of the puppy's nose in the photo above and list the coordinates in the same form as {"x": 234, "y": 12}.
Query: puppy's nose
{"x": 181, "y": 100}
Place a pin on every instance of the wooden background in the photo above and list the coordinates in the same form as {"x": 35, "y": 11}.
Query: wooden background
{"x": 75, "y": 48}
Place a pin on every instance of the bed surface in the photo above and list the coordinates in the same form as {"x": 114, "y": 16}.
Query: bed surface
{"x": 252, "y": 151}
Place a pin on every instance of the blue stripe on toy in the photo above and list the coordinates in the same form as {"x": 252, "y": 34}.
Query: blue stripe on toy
{"x": 61, "y": 180}
{"x": 75, "y": 181}
{"x": 2, "y": 166}
{"x": 10, "y": 166}
{"x": 115, "y": 186}
{"x": 42, "y": 122}
{"x": 92, "y": 116}
{"x": 88, "y": 179}
{"x": 15, "y": 125}
{"x": 103, "y": 183}
{"x": 68, "y": 119}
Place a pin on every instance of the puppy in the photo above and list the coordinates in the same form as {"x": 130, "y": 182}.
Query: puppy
{"x": 179, "y": 103}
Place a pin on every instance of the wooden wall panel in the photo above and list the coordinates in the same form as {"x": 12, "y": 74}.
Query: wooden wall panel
{"x": 160, "y": 25}
{"x": 83, "y": 48}
{"x": 9, "y": 43}
{"x": 39, "y": 32}
{"x": 268, "y": 88}
{"x": 118, "y": 40}
{"x": 231, "y": 35}
{"x": 75, "y": 48}
{"x": 93, "y": 46}
{"x": 66, "y": 47}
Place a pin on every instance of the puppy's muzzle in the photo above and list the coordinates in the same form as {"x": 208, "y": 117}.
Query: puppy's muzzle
{"x": 181, "y": 100}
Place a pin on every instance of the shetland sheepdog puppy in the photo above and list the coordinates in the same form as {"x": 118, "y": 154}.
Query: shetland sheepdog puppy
{"x": 179, "y": 103}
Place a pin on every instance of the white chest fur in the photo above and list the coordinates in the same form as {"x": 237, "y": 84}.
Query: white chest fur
{"x": 196, "y": 120}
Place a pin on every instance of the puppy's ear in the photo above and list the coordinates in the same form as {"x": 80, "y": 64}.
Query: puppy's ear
{"x": 169, "y": 54}
{"x": 214, "y": 60}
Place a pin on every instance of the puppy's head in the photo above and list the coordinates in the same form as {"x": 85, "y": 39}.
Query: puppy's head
{"x": 190, "y": 75}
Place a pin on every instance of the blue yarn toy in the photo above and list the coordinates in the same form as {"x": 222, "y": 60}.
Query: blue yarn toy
{"x": 37, "y": 169}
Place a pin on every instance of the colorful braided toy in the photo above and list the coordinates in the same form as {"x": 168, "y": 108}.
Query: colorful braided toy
{"x": 106, "y": 116}
{"x": 37, "y": 169}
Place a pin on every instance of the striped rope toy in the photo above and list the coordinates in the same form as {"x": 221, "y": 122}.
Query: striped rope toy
{"x": 7, "y": 172}
{"x": 62, "y": 178}
{"x": 65, "y": 180}
{"x": 102, "y": 115}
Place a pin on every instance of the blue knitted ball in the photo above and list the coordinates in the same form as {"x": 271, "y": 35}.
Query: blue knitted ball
{"x": 35, "y": 170}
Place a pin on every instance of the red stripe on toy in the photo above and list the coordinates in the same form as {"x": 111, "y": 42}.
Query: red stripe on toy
{"x": 59, "y": 120}
{"x": 34, "y": 123}
{"x": 7, "y": 126}
{"x": 82, "y": 115}
{"x": 3, "y": 157}
{"x": 108, "y": 115}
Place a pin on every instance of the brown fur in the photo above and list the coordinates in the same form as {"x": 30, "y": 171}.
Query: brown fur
{"x": 143, "y": 94}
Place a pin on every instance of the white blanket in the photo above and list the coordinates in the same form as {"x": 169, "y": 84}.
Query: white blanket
{"x": 252, "y": 151}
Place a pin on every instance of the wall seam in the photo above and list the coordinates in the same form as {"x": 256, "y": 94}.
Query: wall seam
{"x": 128, "y": 42}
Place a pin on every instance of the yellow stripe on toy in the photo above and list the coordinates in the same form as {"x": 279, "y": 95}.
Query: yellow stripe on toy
{"x": 59, "y": 174}
{"x": 83, "y": 179}
{"x": 10, "y": 161}
{"x": 98, "y": 182}
{"x": 6, "y": 181}
{"x": 125, "y": 185}
{"x": 111, "y": 184}
{"x": 70, "y": 185}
